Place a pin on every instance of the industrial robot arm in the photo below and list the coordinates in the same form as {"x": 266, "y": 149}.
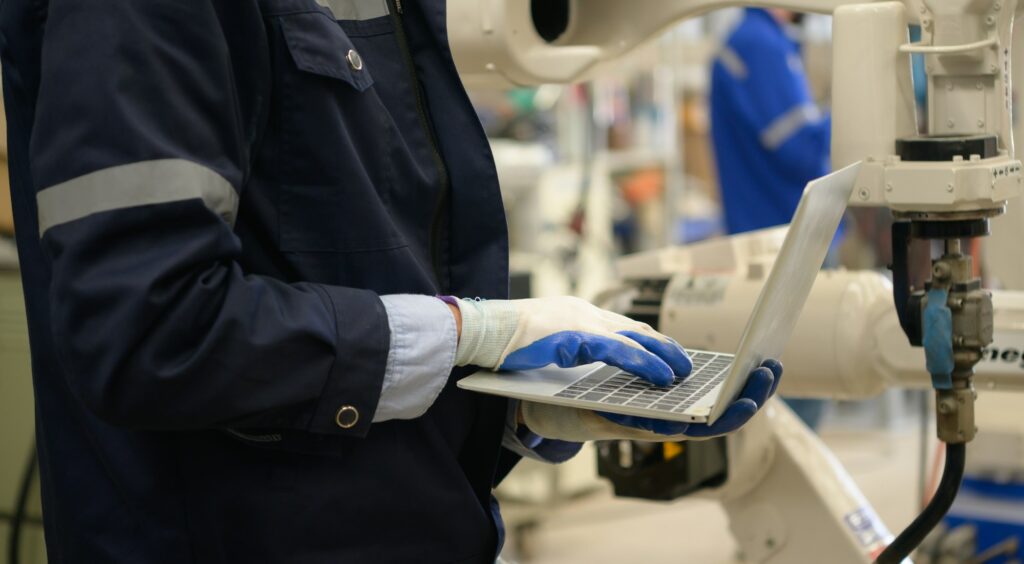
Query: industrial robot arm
{"x": 848, "y": 343}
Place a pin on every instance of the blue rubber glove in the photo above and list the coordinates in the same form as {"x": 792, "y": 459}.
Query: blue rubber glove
{"x": 579, "y": 425}
{"x": 565, "y": 331}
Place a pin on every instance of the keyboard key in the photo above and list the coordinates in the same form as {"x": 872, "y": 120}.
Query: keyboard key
{"x": 591, "y": 380}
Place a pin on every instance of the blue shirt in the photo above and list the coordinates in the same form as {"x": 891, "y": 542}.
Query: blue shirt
{"x": 769, "y": 137}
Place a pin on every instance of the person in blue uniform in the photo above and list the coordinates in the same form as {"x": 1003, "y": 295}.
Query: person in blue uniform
{"x": 241, "y": 225}
{"x": 770, "y": 138}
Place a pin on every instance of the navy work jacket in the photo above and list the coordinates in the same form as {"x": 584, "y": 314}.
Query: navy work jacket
{"x": 210, "y": 196}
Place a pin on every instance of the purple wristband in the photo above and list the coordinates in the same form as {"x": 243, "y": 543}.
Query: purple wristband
{"x": 450, "y": 300}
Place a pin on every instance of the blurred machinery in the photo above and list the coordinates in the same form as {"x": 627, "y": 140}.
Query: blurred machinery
{"x": 21, "y": 524}
{"x": 943, "y": 179}
{"x": 774, "y": 478}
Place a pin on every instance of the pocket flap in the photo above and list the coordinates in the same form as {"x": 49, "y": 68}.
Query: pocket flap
{"x": 319, "y": 46}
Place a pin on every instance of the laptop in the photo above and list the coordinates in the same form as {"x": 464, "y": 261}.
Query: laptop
{"x": 717, "y": 378}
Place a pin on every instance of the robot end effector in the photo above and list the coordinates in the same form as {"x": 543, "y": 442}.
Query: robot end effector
{"x": 943, "y": 179}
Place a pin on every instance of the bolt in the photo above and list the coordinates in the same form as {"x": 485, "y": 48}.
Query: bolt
{"x": 949, "y": 187}
{"x": 888, "y": 187}
{"x": 864, "y": 193}
{"x": 990, "y": 20}
{"x": 770, "y": 542}
{"x": 981, "y": 123}
{"x": 949, "y": 123}
{"x": 945, "y": 406}
{"x": 992, "y": 68}
{"x": 997, "y": 6}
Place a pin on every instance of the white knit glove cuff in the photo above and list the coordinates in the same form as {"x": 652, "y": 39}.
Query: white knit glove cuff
{"x": 580, "y": 425}
{"x": 487, "y": 330}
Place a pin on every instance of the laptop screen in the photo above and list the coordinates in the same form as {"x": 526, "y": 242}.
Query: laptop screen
{"x": 783, "y": 296}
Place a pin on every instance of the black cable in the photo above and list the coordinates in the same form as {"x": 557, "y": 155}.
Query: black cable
{"x": 911, "y": 537}
{"x": 21, "y": 508}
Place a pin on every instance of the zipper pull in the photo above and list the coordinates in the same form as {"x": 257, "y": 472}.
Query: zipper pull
{"x": 398, "y": 6}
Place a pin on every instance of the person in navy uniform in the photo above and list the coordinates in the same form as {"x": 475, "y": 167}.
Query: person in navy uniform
{"x": 241, "y": 227}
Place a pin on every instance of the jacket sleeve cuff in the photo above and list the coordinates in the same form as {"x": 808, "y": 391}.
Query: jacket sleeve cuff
{"x": 524, "y": 442}
{"x": 352, "y": 391}
{"x": 420, "y": 358}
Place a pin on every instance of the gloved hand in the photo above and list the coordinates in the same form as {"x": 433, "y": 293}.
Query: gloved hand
{"x": 579, "y": 425}
{"x": 566, "y": 331}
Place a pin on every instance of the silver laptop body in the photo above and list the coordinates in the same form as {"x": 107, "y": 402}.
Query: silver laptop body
{"x": 717, "y": 378}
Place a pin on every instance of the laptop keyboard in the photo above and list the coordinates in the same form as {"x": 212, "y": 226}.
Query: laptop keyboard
{"x": 612, "y": 386}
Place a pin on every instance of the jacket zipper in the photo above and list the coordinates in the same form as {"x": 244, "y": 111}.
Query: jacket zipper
{"x": 440, "y": 214}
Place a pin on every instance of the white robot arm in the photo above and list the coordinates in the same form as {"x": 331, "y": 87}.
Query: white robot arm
{"x": 504, "y": 43}
{"x": 848, "y": 343}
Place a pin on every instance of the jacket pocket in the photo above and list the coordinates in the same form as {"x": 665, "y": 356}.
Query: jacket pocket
{"x": 318, "y": 45}
{"x": 336, "y": 139}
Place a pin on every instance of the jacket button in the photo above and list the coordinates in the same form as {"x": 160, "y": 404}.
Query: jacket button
{"x": 347, "y": 417}
{"x": 354, "y": 60}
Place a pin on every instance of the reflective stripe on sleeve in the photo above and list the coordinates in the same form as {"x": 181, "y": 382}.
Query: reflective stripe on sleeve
{"x": 357, "y": 10}
{"x": 732, "y": 63}
{"x": 788, "y": 124}
{"x": 136, "y": 184}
